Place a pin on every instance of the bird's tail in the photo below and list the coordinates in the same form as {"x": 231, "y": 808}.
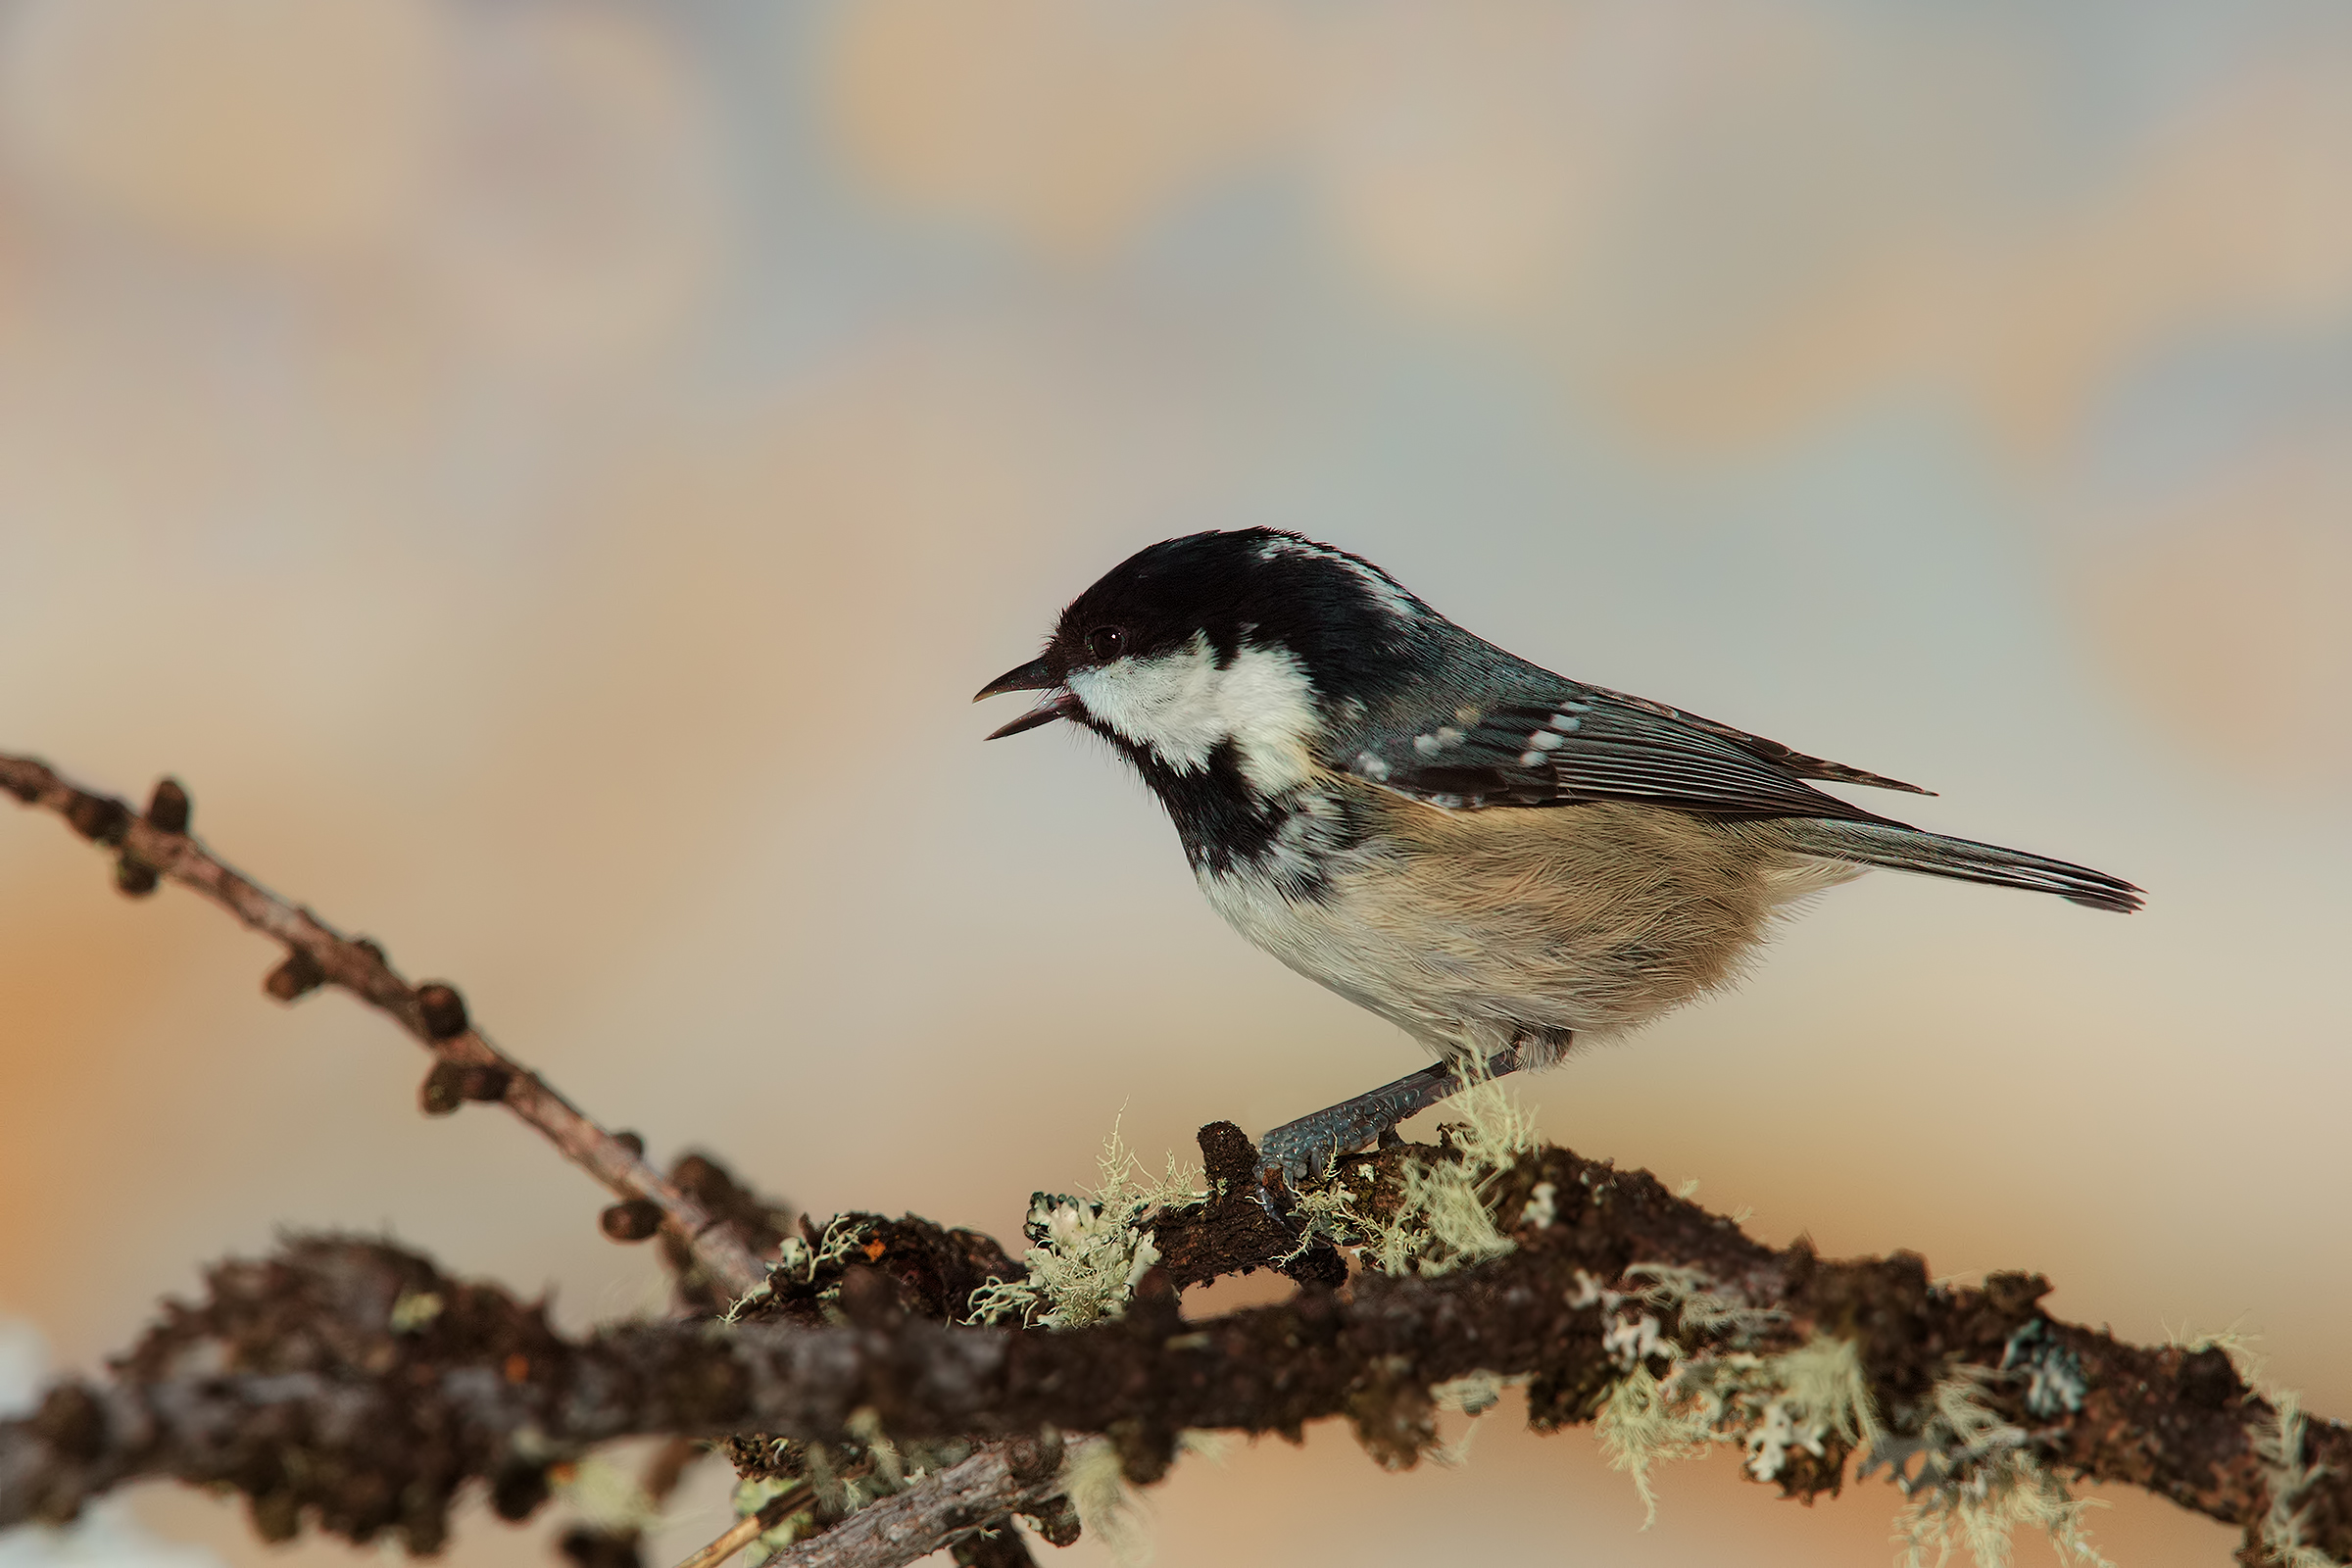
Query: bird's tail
{"x": 1909, "y": 849}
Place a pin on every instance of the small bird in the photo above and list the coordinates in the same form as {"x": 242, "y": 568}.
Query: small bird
{"x": 1497, "y": 858}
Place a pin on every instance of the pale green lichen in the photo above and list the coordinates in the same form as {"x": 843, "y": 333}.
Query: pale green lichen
{"x": 1769, "y": 1406}
{"x": 414, "y": 1311}
{"x": 605, "y": 1496}
{"x": 1108, "y": 1508}
{"x": 1977, "y": 1483}
{"x": 2232, "y": 1341}
{"x": 1442, "y": 1219}
{"x": 2276, "y": 1439}
{"x": 1639, "y": 1428}
{"x": 1696, "y": 1307}
{"x": 759, "y": 1292}
{"x": 1471, "y": 1397}
{"x": 1984, "y": 1510}
{"x": 1823, "y": 1381}
{"x": 2278, "y": 1443}
{"x": 797, "y": 1262}
{"x": 1088, "y": 1252}
{"x": 1674, "y": 1403}
{"x": 1976, "y": 1480}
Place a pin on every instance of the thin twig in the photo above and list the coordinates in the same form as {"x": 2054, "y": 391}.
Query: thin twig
{"x": 317, "y": 954}
{"x": 751, "y": 1526}
{"x": 157, "y": 845}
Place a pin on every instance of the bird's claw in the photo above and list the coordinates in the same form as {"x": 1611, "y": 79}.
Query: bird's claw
{"x": 1274, "y": 1196}
{"x": 1290, "y": 1156}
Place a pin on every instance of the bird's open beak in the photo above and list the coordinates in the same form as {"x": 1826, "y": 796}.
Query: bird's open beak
{"x": 1033, "y": 676}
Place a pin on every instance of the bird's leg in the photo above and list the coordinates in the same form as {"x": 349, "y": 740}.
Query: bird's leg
{"x": 1306, "y": 1148}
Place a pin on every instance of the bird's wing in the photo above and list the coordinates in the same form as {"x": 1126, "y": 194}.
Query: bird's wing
{"x": 1566, "y": 744}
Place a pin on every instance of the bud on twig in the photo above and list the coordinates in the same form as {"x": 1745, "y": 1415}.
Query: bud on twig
{"x": 107, "y": 823}
{"x": 441, "y": 1094}
{"x": 297, "y": 976}
{"x": 168, "y": 807}
{"x": 443, "y": 1009}
{"x": 452, "y": 1083}
{"x": 631, "y": 1142}
{"x": 632, "y": 1221}
{"x": 698, "y": 1176}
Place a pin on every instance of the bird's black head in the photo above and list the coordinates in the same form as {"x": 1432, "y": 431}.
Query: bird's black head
{"x": 1243, "y": 639}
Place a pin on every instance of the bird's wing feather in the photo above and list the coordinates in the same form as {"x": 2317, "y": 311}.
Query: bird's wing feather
{"x": 1569, "y": 744}
{"x": 1796, "y": 763}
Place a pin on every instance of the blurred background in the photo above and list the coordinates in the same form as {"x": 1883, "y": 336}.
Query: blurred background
{"x": 549, "y": 477}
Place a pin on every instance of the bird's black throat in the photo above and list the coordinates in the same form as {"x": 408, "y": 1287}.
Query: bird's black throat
{"x": 1229, "y": 828}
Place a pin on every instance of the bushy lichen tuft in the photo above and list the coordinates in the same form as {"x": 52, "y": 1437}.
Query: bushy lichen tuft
{"x": 1688, "y": 1381}
{"x": 1442, "y": 1219}
{"x": 1641, "y": 1428}
{"x": 1087, "y": 1252}
{"x": 1108, "y": 1508}
{"x": 1769, "y": 1406}
{"x": 1978, "y": 1483}
{"x": 2279, "y": 1440}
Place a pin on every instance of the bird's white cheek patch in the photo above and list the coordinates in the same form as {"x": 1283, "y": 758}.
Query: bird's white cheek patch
{"x": 1184, "y": 704}
{"x": 1162, "y": 703}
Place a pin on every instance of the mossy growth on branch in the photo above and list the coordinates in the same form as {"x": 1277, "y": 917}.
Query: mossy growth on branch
{"x": 1087, "y": 1252}
{"x": 2280, "y": 1441}
{"x": 1442, "y": 1219}
{"x": 1688, "y": 1382}
{"x": 1977, "y": 1483}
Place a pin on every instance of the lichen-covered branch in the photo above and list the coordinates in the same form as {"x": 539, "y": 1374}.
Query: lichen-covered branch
{"x": 157, "y": 845}
{"x": 352, "y": 1382}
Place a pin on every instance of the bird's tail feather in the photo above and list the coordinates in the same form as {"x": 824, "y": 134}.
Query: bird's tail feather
{"x": 1909, "y": 849}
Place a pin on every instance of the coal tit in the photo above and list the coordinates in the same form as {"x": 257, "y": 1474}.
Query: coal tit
{"x": 1497, "y": 858}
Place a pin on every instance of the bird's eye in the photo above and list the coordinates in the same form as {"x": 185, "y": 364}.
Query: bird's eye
{"x": 1105, "y": 643}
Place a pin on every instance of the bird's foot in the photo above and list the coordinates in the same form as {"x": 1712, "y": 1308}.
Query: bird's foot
{"x": 1304, "y": 1149}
